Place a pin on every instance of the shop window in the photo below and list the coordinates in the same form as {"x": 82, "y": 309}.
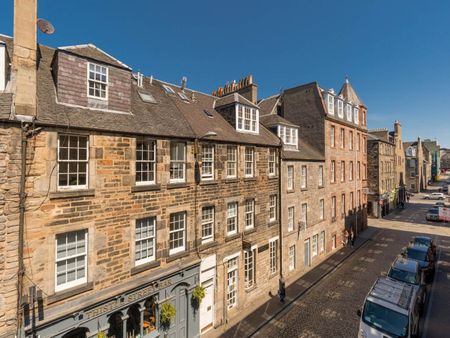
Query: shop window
{"x": 150, "y": 315}
{"x": 77, "y": 333}
{"x": 134, "y": 321}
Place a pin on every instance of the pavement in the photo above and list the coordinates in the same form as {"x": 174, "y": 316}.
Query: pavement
{"x": 323, "y": 302}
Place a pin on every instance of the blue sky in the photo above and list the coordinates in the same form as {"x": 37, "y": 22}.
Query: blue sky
{"x": 396, "y": 53}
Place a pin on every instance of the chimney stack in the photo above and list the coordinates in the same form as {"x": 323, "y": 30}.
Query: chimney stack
{"x": 244, "y": 87}
{"x": 397, "y": 127}
{"x": 25, "y": 56}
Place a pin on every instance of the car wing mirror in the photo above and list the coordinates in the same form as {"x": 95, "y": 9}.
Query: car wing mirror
{"x": 358, "y": 313}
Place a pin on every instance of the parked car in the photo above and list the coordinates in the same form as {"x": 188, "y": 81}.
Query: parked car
{"x": 391, "y": 309}
{"x": 425, "y": 241}
{"x": 440, "y": 204}
{"x": 435, "y": 196}
{"x": 408, "y": 271}
{"x": 433, "y": 215}
{"x": 424, "y": 256}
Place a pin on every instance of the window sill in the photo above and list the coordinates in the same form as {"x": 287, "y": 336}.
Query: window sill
{"x": 272, "y": 223}
{"x": 176, "y": 256}
{"x": 333, "y": 219}
{"x": 231, "y": 180}
{"x": 60, "y": 295}
{"x": 207, "y": 245}
{"x": 250, "y": 289}
{"x": 249, "y": 231}
{"x": 209, "y": 182}
{"x": 143, "y": 267}
{"x": 232, "y": 237}
{"x": 272, "y": 177}
{"x": 304, "y": 189}
{"x": 290, "y": 191}
{"x": 321, "y": 187}
{"x": 72, "y": 193}
{"x": 149, "y": 187}
{"x": 177, "y": 185}
{"x": 249, "y": 179}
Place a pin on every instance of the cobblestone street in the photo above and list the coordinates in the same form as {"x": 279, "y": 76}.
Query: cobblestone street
{"x": 329, "y": 308}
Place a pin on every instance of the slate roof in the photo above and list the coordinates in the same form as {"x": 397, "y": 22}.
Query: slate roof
{"x": 170, "y": 116}
{"x": 93, "y": 52}
{"x": 267, "y": 105}
{"x": 234, "y": 98}
{"x": 349, "y": 93}
{"x": 274, "y": 119}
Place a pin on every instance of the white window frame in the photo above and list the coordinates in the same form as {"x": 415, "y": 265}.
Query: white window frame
{"x": 179, "y": 230}
{"x": 232, "y": 157}
{"x": 351, "y": 201}
{"x": 350, "y": 142}
{"x": 304, "y": 213}
{"x": 343, "y": 208}
{"x": 333, "y": 207}
{"x": 78, "y": 281}
{"x": 358, "y": 143}
{"x": 232, "y": 217}
{"x": 247, "y": 119}
{"x": 69, "y": 161}
{"x": 207, "y": 161}
{"x": 290, "y": 218}
{"x": 348, "y": 111}
{"x": 95, "y": 81}
{"x": 290, "y": 177}
{"x": 249, "y": 164}
{"x": 149, "y": 161}
{"x": 340, "y": 108}
{"x": 168, "y": 89}
{"x": 315, "y": 245}
{"x": 322, "y": 241}
{"x": 304, "y": 177}
{"x": 288, "y": 135}
{"x": 178, "y": 161}
{"x": 148, "y": 239}
{"x": 342, "y": 171}
{"x": 320, "y": 176}
{"x": 292, "y": 258}
{"x": 249, "y": 214}
{"x": 350, "y": 173}
{"x": 333, "y": 171}
{"x": 232, "y": 288}
{"x": 321, "y": 209}
{"x": 272, "y": 208}
{"x": 342, "y": 138}
{"x": 330, "y": 104}
{"x": 356, "y": 115}
{"x": 208, "y": 220}
{"x": 250, "y": 267}
{"x": 333, "y": 136}
{"x": 272, "y": 162}
{"x": 273, "y": 255}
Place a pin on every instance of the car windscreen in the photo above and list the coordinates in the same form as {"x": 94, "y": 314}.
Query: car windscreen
{"x": 433, "y": 211}
{"x": 422, "y": 241}
{"x": 385, "y": 320}
{"x": 404, "y": 276}
{"x": 417, "y": 255}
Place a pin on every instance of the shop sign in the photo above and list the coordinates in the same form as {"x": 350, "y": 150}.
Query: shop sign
{"x": 126, "y": 299}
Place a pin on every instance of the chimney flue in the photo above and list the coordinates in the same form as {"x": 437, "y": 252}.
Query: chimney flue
{"x": 24, "y": 56}
{"x": 183, "y": 82}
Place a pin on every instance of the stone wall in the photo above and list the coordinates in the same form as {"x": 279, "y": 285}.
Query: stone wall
{"x": 10, "y": 155}
{"x": 109, "y": 208}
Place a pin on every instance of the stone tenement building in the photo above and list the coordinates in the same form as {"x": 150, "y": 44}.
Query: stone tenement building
{"x": 417, "y": 166}
{"x": 435, "y": 153}
{"x": 307, "y": 237}
{"x": 382, "y": 178}
{"x": 399, "y": 161}
{"x": 323, "y": 170}
{"x": 135, "y": 192}
{"x": 445, "y": 159}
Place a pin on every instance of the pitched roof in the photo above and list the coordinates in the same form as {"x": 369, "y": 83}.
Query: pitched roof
{"x": 93, "y": 52}
{"x": 234, "y": 98}
{"x": 267, "y": 105}
{"x": 349, "y": 93}
{"x": 274, "y": 119}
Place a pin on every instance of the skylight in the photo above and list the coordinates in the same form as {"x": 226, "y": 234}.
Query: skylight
{"x": 168, "y": 89}
{"x": 209, "y": 114}
{"x": 183, "y": 96}
{"x": 147, "y": 97}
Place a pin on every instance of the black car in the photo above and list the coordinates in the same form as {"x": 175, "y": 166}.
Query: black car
{"x": 424, "y": 256}
{"x": 408, "y": 271}
{"x": 425, "y": 241}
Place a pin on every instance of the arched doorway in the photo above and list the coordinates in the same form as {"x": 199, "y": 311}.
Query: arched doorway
{"x": 115, "y": 329}
{"x": 134, "y": 321}
{"x": 179, "y": 326}
{"x": 77, "y": 333}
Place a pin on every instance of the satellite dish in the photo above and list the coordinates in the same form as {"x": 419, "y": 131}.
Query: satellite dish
{"x": 45, "y": 26}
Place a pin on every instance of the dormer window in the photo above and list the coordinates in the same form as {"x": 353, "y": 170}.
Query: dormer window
{"x": 356, "y": 115}
{"x": 247, "y": 119}
{"x": 348, "y": 111}
{"x": 340, "y": 108}
{"x": 330, "y": 99}
{"x": 288, "y": 135}
{"x": 97, "y": 81}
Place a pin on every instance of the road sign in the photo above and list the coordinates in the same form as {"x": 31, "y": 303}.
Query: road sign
{"x": 444, "y": 214}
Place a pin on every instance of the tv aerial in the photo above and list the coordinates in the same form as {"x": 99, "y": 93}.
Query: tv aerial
{"x": 45, "y": 26}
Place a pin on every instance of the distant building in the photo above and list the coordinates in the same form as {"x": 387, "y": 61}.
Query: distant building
{"x": 417, "y": 166}
{"x": 435, "y": 152}
{"x": 445, "y": 159}
{"x": 382, "y": 178}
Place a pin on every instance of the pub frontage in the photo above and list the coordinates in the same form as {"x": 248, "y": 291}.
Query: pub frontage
{"x": 132, "y": 314}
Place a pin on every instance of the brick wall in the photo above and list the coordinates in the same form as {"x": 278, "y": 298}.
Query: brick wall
{"x": 71, "y": 72}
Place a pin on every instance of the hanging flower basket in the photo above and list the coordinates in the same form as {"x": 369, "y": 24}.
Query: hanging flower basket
{"x": 168, "y": 312}
{"x": 198, "y": 294}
